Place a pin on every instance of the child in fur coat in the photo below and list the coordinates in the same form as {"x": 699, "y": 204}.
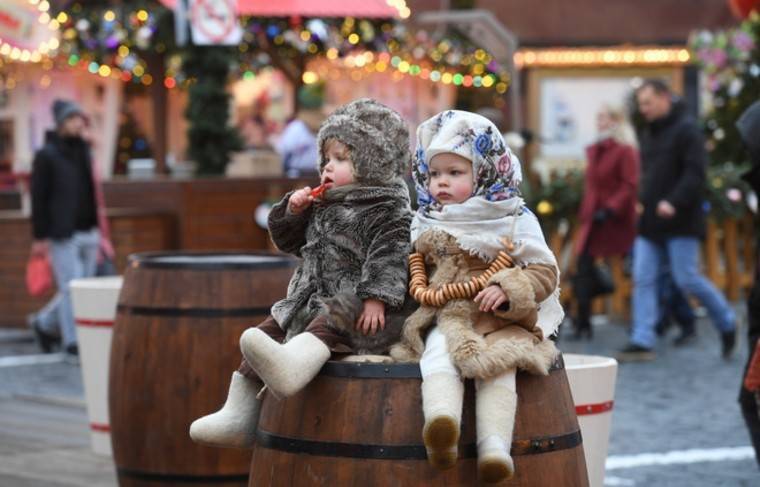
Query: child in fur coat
{"x": 353, "y": 239}
{"x": 470, "y": 209}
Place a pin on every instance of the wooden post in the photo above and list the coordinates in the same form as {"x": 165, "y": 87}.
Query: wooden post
{"x": 158, "y": 99}
{"x": 712, "y": 254}
{"x": 731, "y": 250}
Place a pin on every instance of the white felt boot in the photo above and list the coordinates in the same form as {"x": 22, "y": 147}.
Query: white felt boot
{"x": 234, "y": 425}
{"x": 284, "y": 368}
{"x": 442, "y": 395}
{"x": 495, "y": 406}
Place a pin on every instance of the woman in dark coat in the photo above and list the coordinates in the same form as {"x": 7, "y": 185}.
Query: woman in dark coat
{"x": 607, "y": 214}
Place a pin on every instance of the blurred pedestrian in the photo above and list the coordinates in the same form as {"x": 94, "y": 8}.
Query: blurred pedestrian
{"x": 64, "y": 219}
{"x": 607, "y": 215}
{"x": 672, "y": 220}
{"x": 749, "y": 130}
{"x": 297, "y": 144}
{"x": 675, "y": 309}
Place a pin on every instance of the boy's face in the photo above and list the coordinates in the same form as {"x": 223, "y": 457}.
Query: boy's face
{"x": 73, "y": 126}
{"x": 450, "y": 178}
{"x": 339, "y": 169}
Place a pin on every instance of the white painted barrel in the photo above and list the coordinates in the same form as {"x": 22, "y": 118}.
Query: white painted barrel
{"x": 94, "y": 300}
{"x": 592, "y": 383}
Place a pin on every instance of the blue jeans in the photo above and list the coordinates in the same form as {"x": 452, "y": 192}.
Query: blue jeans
{"x": 673, "y": 303}
{"x": 682, "y": 254}
{"x": 72, "y": 258}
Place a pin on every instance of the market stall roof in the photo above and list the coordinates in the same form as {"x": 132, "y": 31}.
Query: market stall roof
{"x": 317, "y": 8}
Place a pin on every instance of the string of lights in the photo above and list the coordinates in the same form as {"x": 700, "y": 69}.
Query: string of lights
{"x": 111, "y": 42}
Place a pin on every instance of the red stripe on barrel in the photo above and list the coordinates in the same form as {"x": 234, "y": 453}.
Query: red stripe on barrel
{"x": 94, "y": 323}
{"x": 100, "y": 427}
{"x": 587, "y": 409}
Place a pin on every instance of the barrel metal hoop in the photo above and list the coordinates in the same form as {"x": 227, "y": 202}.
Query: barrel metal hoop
{"x": 147, "y": 260}
{"x": 535, "y": 446}
{"x": 358, "y": 370}
{"x": 171, "y": 478}
{"x": 406, "y": 370}
{"x": 192, "y": 312}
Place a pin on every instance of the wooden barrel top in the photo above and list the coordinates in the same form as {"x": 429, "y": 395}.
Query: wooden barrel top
{"x": 360, "y": 424}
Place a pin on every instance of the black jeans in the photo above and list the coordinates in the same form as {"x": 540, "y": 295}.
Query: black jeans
{"x": 583, "y": 288}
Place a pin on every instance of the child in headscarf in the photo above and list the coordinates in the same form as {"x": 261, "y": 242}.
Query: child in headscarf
{"x": 470, "y": 209}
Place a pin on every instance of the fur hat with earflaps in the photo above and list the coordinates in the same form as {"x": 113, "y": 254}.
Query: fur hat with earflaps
{"x": 377, "y": 136}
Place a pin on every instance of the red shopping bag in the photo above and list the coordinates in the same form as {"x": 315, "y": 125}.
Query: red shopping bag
{"x": 39, "y": 275}
{"x": 752, "y": 379}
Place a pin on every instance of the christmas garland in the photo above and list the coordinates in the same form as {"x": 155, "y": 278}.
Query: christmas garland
{"x": 730, "y": 61}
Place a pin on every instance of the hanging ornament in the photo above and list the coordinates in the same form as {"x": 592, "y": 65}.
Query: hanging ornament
{"x": 112, "y": 42}
{"x": 734, "y": 195}
{"x": 83, "y": 25}
{"x": 143, "y": 37}
{"x": 129, "y": 62}
{"x": 735, "y": 87}
{"x": 318, "y": 29}
{"x": 742, "y": 8}
{"x": 367, "y": 31}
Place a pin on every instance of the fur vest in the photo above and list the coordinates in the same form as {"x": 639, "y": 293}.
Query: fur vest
{"x": 481, "y": 344}
{"x": 355, "y": 240}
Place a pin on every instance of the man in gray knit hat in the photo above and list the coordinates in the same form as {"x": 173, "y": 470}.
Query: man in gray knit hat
{"x": 64, "y": 220}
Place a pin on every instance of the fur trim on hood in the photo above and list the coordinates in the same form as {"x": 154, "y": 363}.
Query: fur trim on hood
{"x": 377, "y": 136}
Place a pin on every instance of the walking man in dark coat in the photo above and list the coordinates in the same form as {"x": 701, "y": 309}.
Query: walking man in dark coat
{"x": 672, "y": 220}
{"x": 64, "y": 217}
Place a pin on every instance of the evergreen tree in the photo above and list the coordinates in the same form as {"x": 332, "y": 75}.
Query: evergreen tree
{"x": 730, "y": 61}
{"x": 210, "y": 136}
{"x": 131, "y": 142}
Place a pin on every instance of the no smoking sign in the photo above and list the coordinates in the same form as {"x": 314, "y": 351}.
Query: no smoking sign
{"x": 214, "y": 22}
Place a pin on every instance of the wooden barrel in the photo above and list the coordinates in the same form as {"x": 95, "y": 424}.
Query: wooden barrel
{"x": 361, "y": 425}
{"x": 175, "y": 346}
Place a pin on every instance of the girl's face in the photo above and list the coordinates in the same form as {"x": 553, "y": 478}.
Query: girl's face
{"x": 450, "y": 178}
{"x": 604, "y": 121}
{"x": 339, "y": 169}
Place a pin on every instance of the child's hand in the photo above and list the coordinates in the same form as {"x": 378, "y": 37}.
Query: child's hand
{"x": 372, "y": 317}
{"x": 491, "y": 298}
{"x": 300, "y": 201}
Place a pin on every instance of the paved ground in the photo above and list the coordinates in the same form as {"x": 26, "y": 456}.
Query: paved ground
{"x": 44, "y": 435}
{"x": 684, "y": 401}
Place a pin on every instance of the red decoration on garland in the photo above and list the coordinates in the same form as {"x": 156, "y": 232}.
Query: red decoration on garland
{"x": 742, "y": 8}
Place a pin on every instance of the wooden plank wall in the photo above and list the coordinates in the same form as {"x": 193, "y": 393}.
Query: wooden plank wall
{"x": 132, "y": 231}
{"x": 728, "y": 260}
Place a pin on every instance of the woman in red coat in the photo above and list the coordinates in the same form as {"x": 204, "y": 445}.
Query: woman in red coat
{"x": 607, "y": 214}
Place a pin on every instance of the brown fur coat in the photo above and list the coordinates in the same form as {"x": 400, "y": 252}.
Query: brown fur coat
{"x": 481, "y": 344}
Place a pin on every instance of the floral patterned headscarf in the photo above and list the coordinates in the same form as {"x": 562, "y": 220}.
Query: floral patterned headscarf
{"x": 496, "y": 171}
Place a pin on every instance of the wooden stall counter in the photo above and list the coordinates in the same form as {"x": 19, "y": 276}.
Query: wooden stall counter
{"x": 211, "y": 213}
{"x": 132, "y": 230}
